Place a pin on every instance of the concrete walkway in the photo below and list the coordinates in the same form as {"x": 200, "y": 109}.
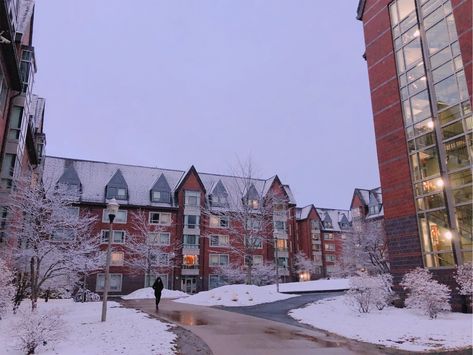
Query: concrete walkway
{"x": 229, "y": 333}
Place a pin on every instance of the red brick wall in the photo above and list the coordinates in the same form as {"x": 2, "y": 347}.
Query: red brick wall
{"x": 398, "y": 198}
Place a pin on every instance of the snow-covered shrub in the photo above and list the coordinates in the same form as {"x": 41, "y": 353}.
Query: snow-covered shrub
{"x": 368, "y": 291}
{"x": 264, "y": 274}
{"x": 425, "y": 293}
{"x": 34, "y": 329}
{"x": 84, "y": 295}
{"x": 7, "y": 290}
{"x": 464, "y": 278}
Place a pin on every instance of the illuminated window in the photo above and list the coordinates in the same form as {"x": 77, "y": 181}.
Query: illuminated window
{"x": 117, "y": 258}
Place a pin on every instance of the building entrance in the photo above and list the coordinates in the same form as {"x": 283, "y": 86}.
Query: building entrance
{"x": 189, "y": 284}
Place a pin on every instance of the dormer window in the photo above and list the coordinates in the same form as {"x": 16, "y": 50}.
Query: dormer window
{"x": 161, "y": 191}
{"x": 374, "y": 209}
{"x": 117, "y": 187}
{"x": 192, "y": 198}
{"x": 219, "y": 195}
{"x": 328, "y": 224}
{"x": 253, "y": 204}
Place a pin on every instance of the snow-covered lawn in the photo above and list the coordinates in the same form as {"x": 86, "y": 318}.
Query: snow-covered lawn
{"x": 317, "y": 285}
{"x": 125, "y": 332}
{"x": 236, "y": 295}
{"x": 393, "y": 327}
{"x": 148, "y": 292}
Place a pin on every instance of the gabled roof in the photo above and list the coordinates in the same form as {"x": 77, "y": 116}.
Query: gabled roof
{"x": 335, "y": 216}
{"x": 303, "y": 213}
{"x": 161, "y": 184}
{"x": 219, "y": 189}
{"x": 191, "y": 170}
{"x": 69, "y": 177}
{"x": 95, "y": 176}
{"x": 252, "y": 193}
{"x": 118, "y": 180}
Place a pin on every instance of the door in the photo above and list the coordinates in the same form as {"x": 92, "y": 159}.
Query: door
{"x": 189, "y": 284}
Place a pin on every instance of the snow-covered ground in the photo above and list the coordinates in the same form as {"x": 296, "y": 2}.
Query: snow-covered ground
{"x": 148, "y": 292}
{"x": 125, "y": 332}
{"x": 393, "y": 327}
{"x": 317, "y": 285}
{"x": 236, "y": 295}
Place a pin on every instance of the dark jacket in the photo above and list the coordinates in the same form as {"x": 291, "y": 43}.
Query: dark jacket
{"x": 158, "y": 286}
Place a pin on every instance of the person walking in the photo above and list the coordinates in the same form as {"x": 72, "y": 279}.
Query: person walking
{"x": 158, "y": 289}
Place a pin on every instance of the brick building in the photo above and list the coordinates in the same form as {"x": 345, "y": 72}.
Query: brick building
{"x": 419, "y": 58}
{"x": 22, "y": 139}
{"x": 192, "y": 212}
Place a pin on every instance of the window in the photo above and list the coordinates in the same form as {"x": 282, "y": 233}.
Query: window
{"x": 253, "y": 204}
{"x": 159, "y": 238}
{"x": 329, "y": 247}
{"x": 190, "y": 262}
{"x": 316, "y": 247}
{"x": 314, "y": 224}
{"x": 216, "y": 281}
{"x": 330, "y": 258}
{"x": 253, "y": 224}
{"x": 117, "y": 258}
{"x": 191, "y": 221}
{"x": 328, "y": 236}
{"x": 159, "y": 218}
{"x": 374, "y": 209}
{"x": 218, "y": 259}
{"x": 16, "y": 116}
{"x": 328, "y": 224}
{"x": 218, "y": 221}
{"x": 281, "y": 244}
{"x": 254, "y": 242}
{"x": 283, "y": 262}
{"x": 120, "y": 217}
{"x": 160, "y": 196}
{"x": 219, "y": 240}
{"x": 280, "y": 226}
{"x": 192, "y": 198}
{"x": 160, "y": 259}
{"x": 63, "y": 235}
{"x": 256, "y": 259}
{"x": 191, "y": 241}
{"x": 120, "y": 193}
{"x": 118, "y": 237}
{"x": 115, "y": 282}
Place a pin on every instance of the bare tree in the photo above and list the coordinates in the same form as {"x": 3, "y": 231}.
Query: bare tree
{"x": 148, "y": 251}
{"x": 51, "y": 235}
{"x": 7, "y": 290}
{"x": 248, "y": 210}
{"x": 365, "y": 248}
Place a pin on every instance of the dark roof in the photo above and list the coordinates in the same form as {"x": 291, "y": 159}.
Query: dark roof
{"x": 161, "y": 184}
{"x": 360, "y": 10}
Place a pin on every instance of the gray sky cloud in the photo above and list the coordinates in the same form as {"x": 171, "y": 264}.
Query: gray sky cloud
{"x": 176, "y": 83}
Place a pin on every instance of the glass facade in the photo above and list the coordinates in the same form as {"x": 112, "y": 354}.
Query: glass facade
{"x": 438, "y": 126}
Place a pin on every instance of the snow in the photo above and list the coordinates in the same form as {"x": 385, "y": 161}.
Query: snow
{"x": 126, "y": 331}
{"x": 236, "y": 296}
{"x": 394, "y": 327}
{"x": 148, "y": 292}
{"x": 317, "y": 285}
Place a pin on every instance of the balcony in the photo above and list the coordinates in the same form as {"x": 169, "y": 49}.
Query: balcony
{"x": 280, "y": 216}
{"x": 282, "y": 252}
{"x": 280, "y": 234}
{"x": 190, "y": 270}
{"x": 192, "y": 210}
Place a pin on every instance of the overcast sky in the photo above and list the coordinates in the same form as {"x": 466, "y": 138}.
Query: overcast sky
{"x": 179, "y": 83}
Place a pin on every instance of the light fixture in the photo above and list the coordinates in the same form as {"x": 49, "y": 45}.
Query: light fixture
{"x": 439, "y": 182}
{"x": 448, "y": 235}
{"x": 416, "y": 33}
{"x": 430, "y": 124}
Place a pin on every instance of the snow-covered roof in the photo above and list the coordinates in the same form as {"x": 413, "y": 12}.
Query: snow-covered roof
{"x": 303, "y": 212}
{"x": 370, "y": 198}
{"x": 335, "y": 217}
{"x": 94, "y": 177}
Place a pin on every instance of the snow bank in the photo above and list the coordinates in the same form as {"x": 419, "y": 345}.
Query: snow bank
{"x": 236, "y": 295}
{"x": 317, "y": 285}
{"x": 126, "y": 331}
{"x": 393, "y": 327}
{"x": 148, "y": 292}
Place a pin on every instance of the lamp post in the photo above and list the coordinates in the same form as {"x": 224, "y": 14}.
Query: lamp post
{"x": 173, "y": 255}
{"x": 112, "y": 209}
{"x": 277, "y": 263}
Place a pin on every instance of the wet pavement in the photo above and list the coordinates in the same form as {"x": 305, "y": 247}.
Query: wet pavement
{"x": 278, "y": 311}
{"x": 233, "y": 333}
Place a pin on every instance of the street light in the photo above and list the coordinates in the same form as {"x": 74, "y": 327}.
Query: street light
{"x": 112, "y": 209}
{"x": 277, "y": 264}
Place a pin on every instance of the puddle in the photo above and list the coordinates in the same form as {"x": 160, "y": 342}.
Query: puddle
{"x": 182, "y": 317}
{"x": 289, "y": 335}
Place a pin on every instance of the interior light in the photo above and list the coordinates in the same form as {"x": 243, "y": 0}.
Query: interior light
{"x": 430, "y": 124}
{"x": 448, "y": 235}
{"x": 416, "y": 33}
{"x": 439, "y": 182}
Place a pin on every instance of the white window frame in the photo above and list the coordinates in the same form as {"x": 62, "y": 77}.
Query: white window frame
{"x": 330, "y": 258}
{"x": 191, "y": 194}
{"x": 329, "y": 236}
{"x": 216, "y": 222}
{"x": 219, "y": 241}
{"x": 160, "y": 219}
{"x": 102, "y": 241}
{"x": 116, "y": 220}
{"x": 219, "y": 263}
{"x": 197, "y": 221}
{"x": 102, "y": 275}
{"x": 329, "y": 246}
